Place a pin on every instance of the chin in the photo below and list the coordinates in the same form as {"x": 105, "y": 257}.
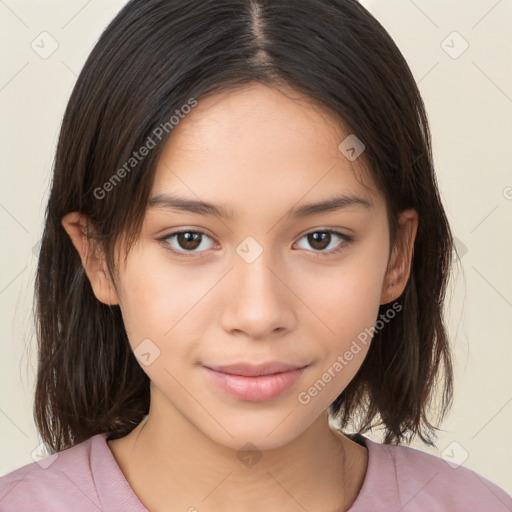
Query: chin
{"x": 265, "y": 431}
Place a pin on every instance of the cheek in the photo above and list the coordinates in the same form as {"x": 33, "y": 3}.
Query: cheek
{"x": 157, "y": 297}
{"x": 347, "y": 311}
{"x": 345, "y": 299}
{"x": 345, "y": 295}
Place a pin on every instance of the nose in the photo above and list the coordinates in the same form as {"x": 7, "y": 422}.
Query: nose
{"x": 259, "y": 302}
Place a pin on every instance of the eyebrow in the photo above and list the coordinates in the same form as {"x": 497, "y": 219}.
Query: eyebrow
{"x": 174, "y": 202}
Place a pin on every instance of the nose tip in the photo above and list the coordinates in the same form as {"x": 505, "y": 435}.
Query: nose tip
{"x": 258, "y": 303}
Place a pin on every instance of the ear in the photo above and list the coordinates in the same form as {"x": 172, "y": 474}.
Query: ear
{"x": 399, "y": 266}
{"x": 76, "y": 226}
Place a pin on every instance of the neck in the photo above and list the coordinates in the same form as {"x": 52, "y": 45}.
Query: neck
{"x": 171, "y": 465}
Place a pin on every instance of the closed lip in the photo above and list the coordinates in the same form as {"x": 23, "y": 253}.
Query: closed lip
{"x": 251, "y": 370}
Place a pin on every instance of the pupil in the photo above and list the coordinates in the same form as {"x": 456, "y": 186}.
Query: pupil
{"x": 189, "y": 242}
{"x": 323, "y": 237}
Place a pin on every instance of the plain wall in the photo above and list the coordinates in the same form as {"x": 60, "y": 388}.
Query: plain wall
{"x": 469, "y": 102}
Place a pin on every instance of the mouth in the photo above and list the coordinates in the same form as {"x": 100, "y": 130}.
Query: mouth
{"x": 251, "y": 370}
{"x": 255, "y": 383}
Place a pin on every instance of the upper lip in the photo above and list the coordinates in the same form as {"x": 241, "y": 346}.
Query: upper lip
{"x": 251, "y": 370}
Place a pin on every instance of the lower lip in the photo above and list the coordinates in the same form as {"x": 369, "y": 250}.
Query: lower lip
{"x": 255, "y": 389}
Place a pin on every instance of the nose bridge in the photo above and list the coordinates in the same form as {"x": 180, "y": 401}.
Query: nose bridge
{"x": 258, "y": 303}
{"x": 256, "y": 277}
{"x": 256, "y": 283}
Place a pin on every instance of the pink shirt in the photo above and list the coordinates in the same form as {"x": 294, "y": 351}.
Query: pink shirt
{"x": 87, "y": 478}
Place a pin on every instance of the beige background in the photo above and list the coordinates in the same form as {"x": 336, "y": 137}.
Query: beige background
{"x": 469, "y": 101}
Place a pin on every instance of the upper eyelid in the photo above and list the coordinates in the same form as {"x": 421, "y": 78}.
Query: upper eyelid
{"x": 307, "y": 232}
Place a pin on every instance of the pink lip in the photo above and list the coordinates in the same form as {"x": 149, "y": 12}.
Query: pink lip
{"x": 255, "y": 370}
{"x": 262, "y": 386}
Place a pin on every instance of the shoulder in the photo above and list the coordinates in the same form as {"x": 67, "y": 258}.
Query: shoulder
{"x": 413, "y": 480}
{"x": 60, "y": 482}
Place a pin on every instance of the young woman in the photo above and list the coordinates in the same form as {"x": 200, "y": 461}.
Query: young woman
{"x": 244, "y": 244}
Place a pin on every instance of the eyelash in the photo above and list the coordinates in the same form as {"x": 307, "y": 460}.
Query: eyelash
{"x": 319, "y": 254}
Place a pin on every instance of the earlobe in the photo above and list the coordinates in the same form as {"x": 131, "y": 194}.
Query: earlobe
{"x": 399, "y": 267}
{"x": 76, "y": 226}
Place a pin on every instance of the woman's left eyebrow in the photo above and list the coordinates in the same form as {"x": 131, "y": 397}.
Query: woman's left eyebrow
{"x": 336, "y": 203}
{"x": 329, "y": 205}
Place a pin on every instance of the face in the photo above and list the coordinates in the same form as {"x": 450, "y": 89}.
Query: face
{"x": 261, "y": 283}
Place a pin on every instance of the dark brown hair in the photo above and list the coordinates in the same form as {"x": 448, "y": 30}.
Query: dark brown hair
{"x": 152, "y": 58}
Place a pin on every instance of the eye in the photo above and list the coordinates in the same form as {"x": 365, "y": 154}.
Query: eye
{"x": 186, "y": 241}
{"x": 320, "y": 240}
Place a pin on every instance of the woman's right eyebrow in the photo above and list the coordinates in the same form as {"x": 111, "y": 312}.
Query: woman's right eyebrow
{"x": 174, "y": 202}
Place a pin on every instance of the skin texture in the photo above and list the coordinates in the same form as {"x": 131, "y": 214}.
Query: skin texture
{"x": 258, "y": 153}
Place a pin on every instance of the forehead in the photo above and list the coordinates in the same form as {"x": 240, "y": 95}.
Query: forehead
{"x": 257, "y": 147}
